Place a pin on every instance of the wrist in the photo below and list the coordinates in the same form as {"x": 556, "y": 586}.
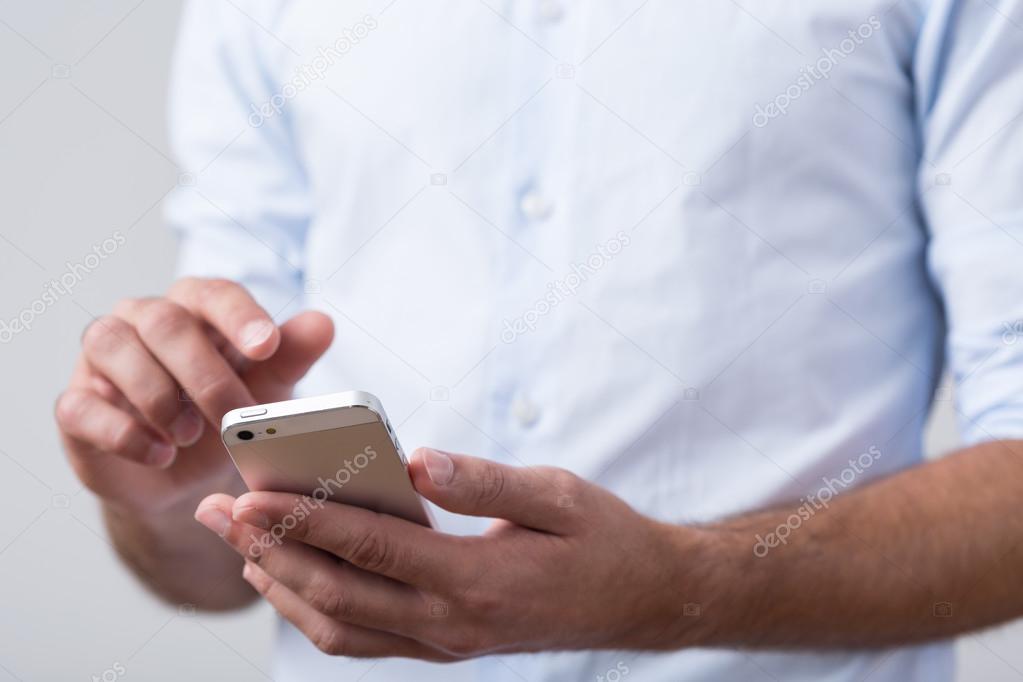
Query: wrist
{"x": 705, "y": 579}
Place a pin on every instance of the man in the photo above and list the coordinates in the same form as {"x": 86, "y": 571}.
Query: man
{"x": 680, "y": 277}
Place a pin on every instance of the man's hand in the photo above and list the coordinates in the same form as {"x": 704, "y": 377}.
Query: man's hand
{"x": 140, "y": 420}
{"x": 566, "y": 565}
{"x": 913, "y": 557}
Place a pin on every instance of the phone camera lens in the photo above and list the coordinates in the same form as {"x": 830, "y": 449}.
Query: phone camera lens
{"x": 245, "y": 435}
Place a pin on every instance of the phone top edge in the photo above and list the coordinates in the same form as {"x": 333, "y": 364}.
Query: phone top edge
{"x": 296, "y": 406}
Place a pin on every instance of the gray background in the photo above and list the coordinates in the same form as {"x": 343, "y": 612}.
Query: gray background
{"x": 83, "y": 153}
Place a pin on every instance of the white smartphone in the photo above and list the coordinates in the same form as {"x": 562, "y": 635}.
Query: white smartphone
{"x": 338, "y": 447}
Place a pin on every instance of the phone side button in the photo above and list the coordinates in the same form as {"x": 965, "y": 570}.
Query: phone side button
{"x": 253, "y": 413}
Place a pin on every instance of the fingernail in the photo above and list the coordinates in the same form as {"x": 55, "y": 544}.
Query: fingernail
{"x": 439, "y": 467}
{"x": 251, "y": 516}
{"x": 160, "y": 454}
{"x": 186, "y": 427}
{"x": 255, "y": 577}
{"x": 255, "y": 333}
{"x": 214, "y": 519}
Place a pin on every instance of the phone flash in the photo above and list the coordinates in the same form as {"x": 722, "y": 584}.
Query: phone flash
{"x": 271, "y": 430}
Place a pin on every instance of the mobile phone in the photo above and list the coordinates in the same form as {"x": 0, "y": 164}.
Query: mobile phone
{"x": 338, "y": 447}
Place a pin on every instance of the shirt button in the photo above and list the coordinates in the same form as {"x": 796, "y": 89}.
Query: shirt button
{"x": 525, "y": 411}
{"x": 550, "y": 10}
{"x": 535, "y": 205}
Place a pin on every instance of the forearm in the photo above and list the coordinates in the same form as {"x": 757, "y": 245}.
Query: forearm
{"x": 178, "y": 559}
{"x": 925, "y": 554}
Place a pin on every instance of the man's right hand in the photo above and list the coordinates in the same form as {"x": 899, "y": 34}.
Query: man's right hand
{"x": 140, "y": 419}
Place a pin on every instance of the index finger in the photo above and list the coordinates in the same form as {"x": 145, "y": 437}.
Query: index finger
{"x": 230, "y": 309}
{"x": 378, "y": 543}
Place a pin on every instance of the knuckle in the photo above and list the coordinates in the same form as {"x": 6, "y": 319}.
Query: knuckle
{"x": 70, "y": 407}
{"x": 219, "y": 286}
{"x": 161, "y": 317}
{"x": 124, "y": 437}
{"x": 105, "y": 335}
{"x": 329, "y": 638}
{"x": 463, "y": 642}
{"x": 371, "y": 552}
{"x": 479, "y": 602}
{"x": 190, "y": 288}
{"x": 104, "y": 389}
{"x": 214, "y": 389}
{"x": 491, "y": 484}
{"x": 325, "y": 596}
{"x": 126, "y": 307}
{"x": 159, "y": 403}
{"x": 186, "y": 283}
{"x": 563, "y": 480}
{"x": 305, "y": 527}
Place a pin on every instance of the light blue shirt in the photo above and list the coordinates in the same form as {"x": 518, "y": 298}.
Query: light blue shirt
{"x": 711, "y": 255}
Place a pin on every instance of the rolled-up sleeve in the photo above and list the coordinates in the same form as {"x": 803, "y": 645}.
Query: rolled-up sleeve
{"x": 969, "y": 73}
{"x": 241, "y": 209}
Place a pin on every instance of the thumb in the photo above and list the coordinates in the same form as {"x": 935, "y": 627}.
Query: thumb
{"x": 304, "y": 339}
{"x": 543, "y": 498}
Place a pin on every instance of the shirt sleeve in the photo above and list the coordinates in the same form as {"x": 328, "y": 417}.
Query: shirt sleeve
{"x": 241, "y": 209}
{"x": 969, "y": 75}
